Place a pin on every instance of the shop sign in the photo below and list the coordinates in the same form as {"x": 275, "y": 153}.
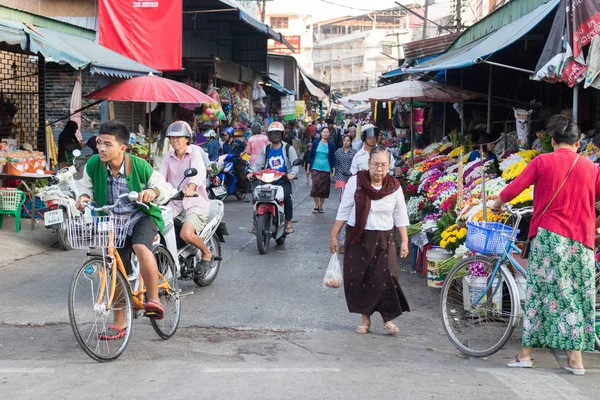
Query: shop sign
{"x": 282, "y": 48}
{"x": 288, "y": 105}
{"x": 148, "y": 31}
{"x": 300, "y": 108}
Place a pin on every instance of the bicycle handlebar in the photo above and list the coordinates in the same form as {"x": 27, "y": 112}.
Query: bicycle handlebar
{"x": 131, "y": 196}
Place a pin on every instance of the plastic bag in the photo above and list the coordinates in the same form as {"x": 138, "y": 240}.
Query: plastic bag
{"x": 333, "y": 276}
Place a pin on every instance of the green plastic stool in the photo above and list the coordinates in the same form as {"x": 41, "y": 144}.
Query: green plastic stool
{"x": 11, "y": 202}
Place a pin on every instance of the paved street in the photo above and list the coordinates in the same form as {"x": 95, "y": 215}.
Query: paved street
{"x": 266, "y": 329}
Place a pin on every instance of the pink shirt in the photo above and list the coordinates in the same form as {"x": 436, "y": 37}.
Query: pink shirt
{"x": 572, "y": 214}
{"x": 172, "y": 169}
{"x": 255, "y": 145}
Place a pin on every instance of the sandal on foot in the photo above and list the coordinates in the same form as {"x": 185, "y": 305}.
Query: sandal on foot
{"x": 202, "y": 266}
{"x": 290, "y": 230}
{"x": 321, "y": 211}
{"x": 517, "y": 363}
{"x": 363, "y": 329}
{"x": 112, "y": 332}
{"x": 154, "y": 310}
{"x": 315, "y": 210}
{"x": 575, "y": 371}
{"x": 391, "y": 328}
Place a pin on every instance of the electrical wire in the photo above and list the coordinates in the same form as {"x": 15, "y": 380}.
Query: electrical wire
{"x": 345, "y": 6}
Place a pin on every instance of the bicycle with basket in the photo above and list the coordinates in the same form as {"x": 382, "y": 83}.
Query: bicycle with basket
{"x": 480, "y": 299}
{"x": 102, "y": 292}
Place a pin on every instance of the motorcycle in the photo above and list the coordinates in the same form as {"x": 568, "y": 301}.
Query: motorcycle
{"x": 59, "y": 197}
{"x": 186, "y": 256}
{"x": 225, "y": 183}
{"x": 268, "y": 209}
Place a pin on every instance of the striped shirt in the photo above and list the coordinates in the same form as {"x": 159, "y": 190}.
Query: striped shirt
{"x": 116, "y": 187}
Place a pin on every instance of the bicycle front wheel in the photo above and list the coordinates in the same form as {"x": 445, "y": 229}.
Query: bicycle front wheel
{"x": 92, "y": 318}
{"x": 478, "y": 322}
{"x": 168, "y": 293}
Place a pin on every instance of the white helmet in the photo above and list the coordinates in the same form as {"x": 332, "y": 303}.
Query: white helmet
{"x": 180, "y": 128}
{"x": 210, "y": 134}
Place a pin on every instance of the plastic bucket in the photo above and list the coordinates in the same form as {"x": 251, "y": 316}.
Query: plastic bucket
{"x": 15, "y": 168}
{"x": 473, "y": 288}
{"x": 434, "y": 258}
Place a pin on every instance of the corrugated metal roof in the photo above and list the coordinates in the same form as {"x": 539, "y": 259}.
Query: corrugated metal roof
{"x": 13, "y": 14}
{"x": 84, "y": 22}
{"x": 428, "y": 47}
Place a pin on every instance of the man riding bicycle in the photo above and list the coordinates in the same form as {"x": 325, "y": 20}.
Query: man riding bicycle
{"x": 108, "y": 175}
{"x": 195, "y": 209}
{"x": 279, "y": 156}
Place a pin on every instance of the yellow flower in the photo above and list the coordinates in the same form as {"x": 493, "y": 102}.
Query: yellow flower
{"x": 456, "y": 152}
{"x": 452, "y": 240}
{"x": 444, "y": 235}
{"x": 463, "y": 232}
{"x": 514, "y": 170}
{"x": 443, "y": 243}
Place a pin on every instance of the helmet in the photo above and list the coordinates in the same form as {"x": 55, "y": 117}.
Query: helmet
{"x": 180, "y": 128}
{"x": 228, "y": 131}
{"x": 276, "y": 126}
{"x": 210, "y": 134}
{"x": 369, "y": 130}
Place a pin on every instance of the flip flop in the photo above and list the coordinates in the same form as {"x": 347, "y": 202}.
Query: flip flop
{"x": 520, "y": 364}
{"x": 202, "y": 266}
{"x": 154, "y": 310}
{"x": 575, "y": 371}
{"x": 363, "y": 329}
{"x": 321, "y": 211}
{"x": 391, "y": 328}
{"x": 315, "y": 210}
{"x": 289, "y": 230}
{"x": 112, "y": 332}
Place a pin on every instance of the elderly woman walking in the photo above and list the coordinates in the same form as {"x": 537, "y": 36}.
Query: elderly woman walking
{"x": 373, "y": 203}
{"x": 322, "y": 167}
{"x": 559, "y": 307}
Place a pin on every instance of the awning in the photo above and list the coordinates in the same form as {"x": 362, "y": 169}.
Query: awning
{"x": 506, "y": 35}
{"x": 278, "y": 87}
{"x": 64, "y": 48}
{"x": 12, "y": 33}
{"x": 312, "y": 88}
{"x": 267, "y": 30}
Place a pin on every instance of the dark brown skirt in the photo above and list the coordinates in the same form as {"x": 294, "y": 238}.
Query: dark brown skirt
{"x": 321, "y": 184}
{"x": 371, "y": 275}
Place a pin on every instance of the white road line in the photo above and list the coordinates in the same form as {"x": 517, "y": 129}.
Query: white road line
{"x": 534, "y": 385}
{"x": 26, "y": 370}
{"x": 273, "y": 370}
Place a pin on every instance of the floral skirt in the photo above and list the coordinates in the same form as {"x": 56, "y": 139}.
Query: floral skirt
{"x": 561, "y": 294}
{"x": 321, "y": 184}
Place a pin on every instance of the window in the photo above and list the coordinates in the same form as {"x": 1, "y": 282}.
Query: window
{"x": 279, "y": 22}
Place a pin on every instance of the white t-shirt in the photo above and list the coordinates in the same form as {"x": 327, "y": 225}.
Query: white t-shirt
{"x": 360, "y": 161}
{"x": 384, "y": 214}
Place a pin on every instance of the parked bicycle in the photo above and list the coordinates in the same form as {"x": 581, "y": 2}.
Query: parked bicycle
{"x": 480, "y": 300}
{"x": 101, "y": 286}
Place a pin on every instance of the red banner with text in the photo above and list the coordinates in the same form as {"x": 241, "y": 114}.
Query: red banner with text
{"x": 148, "y": 31}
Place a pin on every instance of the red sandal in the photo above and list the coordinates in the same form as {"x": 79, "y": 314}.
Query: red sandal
{"x": 112, "y": 332}
{"x": 154, "y": 310}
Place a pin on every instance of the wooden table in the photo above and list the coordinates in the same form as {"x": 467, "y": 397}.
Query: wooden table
{"x": 29, "y": 177}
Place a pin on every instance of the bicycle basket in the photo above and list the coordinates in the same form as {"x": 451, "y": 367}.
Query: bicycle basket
{"x": 488, "y": 237}
{"x": 95, "y": 231}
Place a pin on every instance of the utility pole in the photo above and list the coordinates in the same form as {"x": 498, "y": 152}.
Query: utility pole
{"x": 426, "y": 6}
{"x": 263, "y": 11}
{"x": 458, "y": 16}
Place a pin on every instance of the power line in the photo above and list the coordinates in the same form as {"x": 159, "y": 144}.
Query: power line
{"x": 345, "y": 6}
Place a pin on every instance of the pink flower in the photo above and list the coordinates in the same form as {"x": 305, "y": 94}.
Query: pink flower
{"x": 573, "y": 250}
{"x": 553, "y": 305}
{"x": 589, "y": 328}
{"x": 532, "y": 312}
{"x": 575, "y": 333}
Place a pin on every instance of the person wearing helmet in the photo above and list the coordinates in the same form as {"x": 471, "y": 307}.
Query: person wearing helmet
{"x": 212, "y": 145}
{"x": 369, "y": 135}
{"x": 194, "y": 209}
{"x": 227, "y": 138}
{"x": 279, "y": 156}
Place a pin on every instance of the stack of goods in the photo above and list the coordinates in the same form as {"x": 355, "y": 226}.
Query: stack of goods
{"x": 18, "y": 162}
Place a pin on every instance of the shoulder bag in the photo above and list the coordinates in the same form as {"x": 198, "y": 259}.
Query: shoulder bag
{"x": 526, "y": 247}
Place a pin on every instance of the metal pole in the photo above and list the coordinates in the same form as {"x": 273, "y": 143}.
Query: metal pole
{"x": 575, "y": 102}
{"x": 426, "y": 12}
{"x": 412, "y": 135}
{"x": 489, "y": 104}
{"x": 483, "y": 194}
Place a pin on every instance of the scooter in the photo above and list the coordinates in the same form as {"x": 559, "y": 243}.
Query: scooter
{"x": 227, "y": 179}
{"x": 59, "y": 197}
{"x": 186, "y": 256}
{"x": 268, "y": 209}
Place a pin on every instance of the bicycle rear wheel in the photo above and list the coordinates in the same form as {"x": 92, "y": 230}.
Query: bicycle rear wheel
{"x": 90, "y": 318}
{"x": 166, "y": 327}
{"x": 478, "y": 329}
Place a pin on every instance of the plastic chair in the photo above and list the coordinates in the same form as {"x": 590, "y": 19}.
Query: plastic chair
{"x": 11, "y": 202}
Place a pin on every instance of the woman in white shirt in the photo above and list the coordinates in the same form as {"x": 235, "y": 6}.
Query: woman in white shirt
{"x": 373, "y": 203}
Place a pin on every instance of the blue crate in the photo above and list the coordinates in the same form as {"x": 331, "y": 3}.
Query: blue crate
{"x": 39, "y": 205}
{"x": 488, "y": 237}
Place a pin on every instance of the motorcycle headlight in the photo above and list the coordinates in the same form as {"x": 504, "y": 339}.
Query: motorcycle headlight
{"x": 267, "y": 177}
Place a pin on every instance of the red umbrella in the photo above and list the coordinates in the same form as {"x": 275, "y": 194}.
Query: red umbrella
{"x": 150, "y": 89}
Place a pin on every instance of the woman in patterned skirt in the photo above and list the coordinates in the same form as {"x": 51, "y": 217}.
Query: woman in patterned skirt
{"x": 322, "y": 167}
{"x": 373, "y": 204}
{"x": 560, "y": 300}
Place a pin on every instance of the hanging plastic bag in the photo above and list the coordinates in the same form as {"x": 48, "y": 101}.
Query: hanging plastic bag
{"x": 333, "y": 276}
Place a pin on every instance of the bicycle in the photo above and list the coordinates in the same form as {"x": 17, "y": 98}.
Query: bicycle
{"x": 480, "y": 301}
{"x": 101, "y": 286}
